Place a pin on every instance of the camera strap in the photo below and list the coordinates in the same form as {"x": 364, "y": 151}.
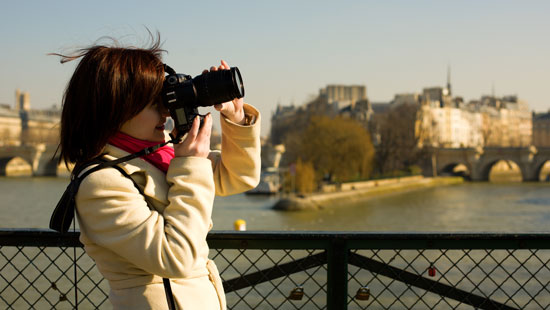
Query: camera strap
{"x": 65, "y": 209}
{"x": 63, "y": 213}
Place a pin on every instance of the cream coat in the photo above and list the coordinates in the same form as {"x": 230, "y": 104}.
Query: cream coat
{"x": 135, "y": 241}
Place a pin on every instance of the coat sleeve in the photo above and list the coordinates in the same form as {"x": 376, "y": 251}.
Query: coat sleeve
{"x": 237, "y": 167}
{"x": 113, "y": 214}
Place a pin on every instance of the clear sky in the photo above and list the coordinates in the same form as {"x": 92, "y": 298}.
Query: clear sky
{"x": 288, "y": 50}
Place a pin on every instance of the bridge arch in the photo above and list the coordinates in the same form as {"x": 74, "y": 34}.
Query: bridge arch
{"x": 15, "y": 166}
{"x": 485, "y": 170}
{"x": 530, "y": 160}
{"x": 542, "y": 170}
{"x": 455, "y": 169}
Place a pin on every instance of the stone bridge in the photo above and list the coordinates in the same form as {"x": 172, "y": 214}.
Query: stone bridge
{"x": 479, "y": 161}
{"x": 40, "y": 157}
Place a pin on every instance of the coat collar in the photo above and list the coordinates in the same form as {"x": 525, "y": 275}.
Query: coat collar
{"x": 145, "y": 174}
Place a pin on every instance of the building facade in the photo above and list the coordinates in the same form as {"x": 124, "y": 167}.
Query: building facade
{"x": 507, "y": 122}
{"x": 10, "y": 126}
{"x": 491, "y": 121}
{"x": 449, "y": 127}
{"x": 344, "y": 93}
{"x": 22, "y": 125}
{"x": 541, "y": 129}
{"x": 441, "y": 121}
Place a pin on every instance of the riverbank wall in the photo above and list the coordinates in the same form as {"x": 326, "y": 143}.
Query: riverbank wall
{"x": 334, "y": 195}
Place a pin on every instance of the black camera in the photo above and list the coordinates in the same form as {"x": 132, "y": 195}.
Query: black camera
{"x": 182, "y": 94}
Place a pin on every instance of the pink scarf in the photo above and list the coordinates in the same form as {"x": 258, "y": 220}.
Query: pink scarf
{"x": 160, "y": 158}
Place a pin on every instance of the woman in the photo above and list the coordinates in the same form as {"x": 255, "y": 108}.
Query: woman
{"x": 112, "y": 108}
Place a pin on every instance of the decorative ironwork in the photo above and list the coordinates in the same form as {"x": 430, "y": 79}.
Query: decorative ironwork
{"x": 307, "y": 270}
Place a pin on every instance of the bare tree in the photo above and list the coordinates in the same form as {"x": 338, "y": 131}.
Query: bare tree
{"x": 398, "y": 147}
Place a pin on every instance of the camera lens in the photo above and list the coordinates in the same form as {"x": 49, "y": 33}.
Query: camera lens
{"x": 218, "y": 86}
{"x": 238, "y": 81}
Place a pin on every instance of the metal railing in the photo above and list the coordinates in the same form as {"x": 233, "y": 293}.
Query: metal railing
{"x": 307, "y": 270}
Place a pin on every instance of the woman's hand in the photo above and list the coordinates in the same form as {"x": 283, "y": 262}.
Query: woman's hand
{"x": 197, "y": 141}
{"x": 232, "y": 110}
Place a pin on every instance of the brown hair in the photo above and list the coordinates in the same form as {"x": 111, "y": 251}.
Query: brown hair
{"x": 110, "y": 85}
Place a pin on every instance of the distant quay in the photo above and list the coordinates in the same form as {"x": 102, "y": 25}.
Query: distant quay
{"x": 346, "y": 193}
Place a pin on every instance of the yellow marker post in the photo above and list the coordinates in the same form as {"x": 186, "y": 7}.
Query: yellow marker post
{"x": 240, "y": 225}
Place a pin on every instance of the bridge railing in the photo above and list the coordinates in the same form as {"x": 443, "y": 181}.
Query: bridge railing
{"x": 307, "y": 270}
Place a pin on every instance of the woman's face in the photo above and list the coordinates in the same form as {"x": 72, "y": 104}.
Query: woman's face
{"x": 148, "y": 125}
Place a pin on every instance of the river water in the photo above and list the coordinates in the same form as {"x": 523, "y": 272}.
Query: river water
{"x": 479, "y": 207}
{"x": 471, "y": 207}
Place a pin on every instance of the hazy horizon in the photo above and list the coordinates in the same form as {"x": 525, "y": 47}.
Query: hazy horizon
{"x": 288, "y": 50}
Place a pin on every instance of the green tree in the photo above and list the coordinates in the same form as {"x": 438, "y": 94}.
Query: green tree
{"x": 305, "y": 177}
{"x": 339, "y": 147}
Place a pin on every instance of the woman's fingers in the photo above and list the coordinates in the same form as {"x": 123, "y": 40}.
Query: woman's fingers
{"x": 202, "y": 141}
{"x": 206, "y": 128}
{"x": 197, "y": 141}
{"x": 191, "y": 136}
{"x": 194, "y": 131}
{"x": 225, "y": 65}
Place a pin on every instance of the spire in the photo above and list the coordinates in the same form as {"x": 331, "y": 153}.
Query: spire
{"x": 449, "y": 79}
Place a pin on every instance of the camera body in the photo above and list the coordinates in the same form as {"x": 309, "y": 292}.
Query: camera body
{"x": 182, "y": 94}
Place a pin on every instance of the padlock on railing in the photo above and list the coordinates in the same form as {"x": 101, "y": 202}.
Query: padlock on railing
{"x": 363, "y": 293}
{"x": 431, "y": 271}
{"x": 297, "y": 293}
